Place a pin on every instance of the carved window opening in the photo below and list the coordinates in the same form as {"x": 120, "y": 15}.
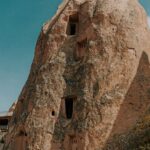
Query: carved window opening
{"x": 3, "y": 122}
{"x": 69, "y": 107}
{"x": 72, "y": 28}
{"x": 53, "y": 113}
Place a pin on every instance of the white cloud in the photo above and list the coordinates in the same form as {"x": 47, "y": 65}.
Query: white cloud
{"x": 149, "y": 21}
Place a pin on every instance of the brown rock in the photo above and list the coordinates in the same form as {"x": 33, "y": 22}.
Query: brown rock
{"x": 85, "y": 62}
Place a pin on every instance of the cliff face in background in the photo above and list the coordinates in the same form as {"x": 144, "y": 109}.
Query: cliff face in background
{"x": 135, "y": 109}
{"x": 89, "y": 81}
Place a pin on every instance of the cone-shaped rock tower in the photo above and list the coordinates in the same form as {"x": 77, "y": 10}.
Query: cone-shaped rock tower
{"x": 85, "y": 62}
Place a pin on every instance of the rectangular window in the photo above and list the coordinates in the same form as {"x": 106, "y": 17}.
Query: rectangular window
{"x": 69, "y": 107}
{"x": 72, "y": 28}
{"x": 3, "y": 122}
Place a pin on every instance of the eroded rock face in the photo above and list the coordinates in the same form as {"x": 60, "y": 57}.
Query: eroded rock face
{"x": 85, "y": 61}
{"x": 131, "y": 130}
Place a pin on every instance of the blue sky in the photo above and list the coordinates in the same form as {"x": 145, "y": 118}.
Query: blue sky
{"x": 20, "y": 24}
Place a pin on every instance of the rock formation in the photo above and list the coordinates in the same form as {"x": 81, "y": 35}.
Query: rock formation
{"x": 84, "y": 86}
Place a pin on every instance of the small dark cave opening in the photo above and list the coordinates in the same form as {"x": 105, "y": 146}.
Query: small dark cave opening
{"x": 69, "y": 107}
{"x": 72, "y": 28}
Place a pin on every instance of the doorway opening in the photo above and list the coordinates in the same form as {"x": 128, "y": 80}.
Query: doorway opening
{"x": 69, "y": 107}
{"x": 72, "y": 28}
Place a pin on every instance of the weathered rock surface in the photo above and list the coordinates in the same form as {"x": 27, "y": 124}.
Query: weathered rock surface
{"x": 135, "y": 109}
{"x": 88, "y": 54}
{"x": 1, "y": 140}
